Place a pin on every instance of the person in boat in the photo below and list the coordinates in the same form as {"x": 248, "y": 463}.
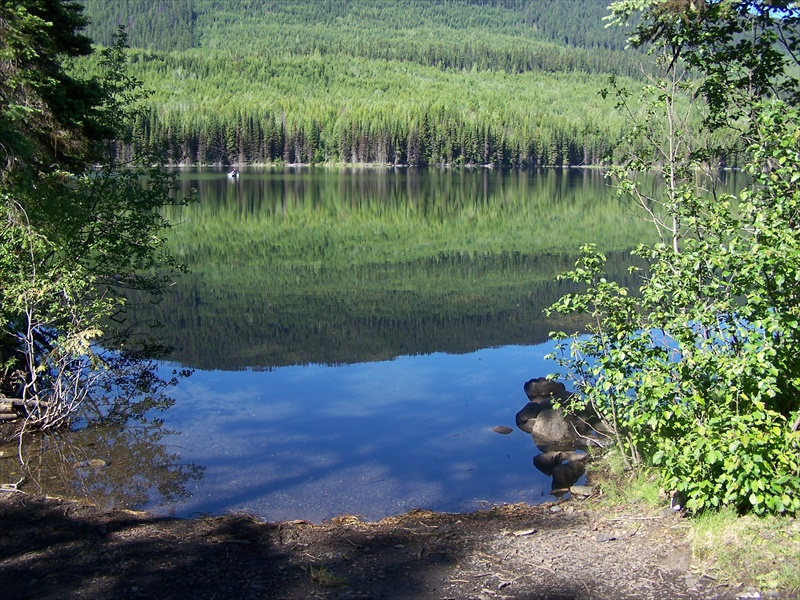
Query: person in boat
{"x": 233, "y": 173}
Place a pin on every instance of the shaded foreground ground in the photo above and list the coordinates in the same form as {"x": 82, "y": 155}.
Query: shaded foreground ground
{"x": 51, "y": 548}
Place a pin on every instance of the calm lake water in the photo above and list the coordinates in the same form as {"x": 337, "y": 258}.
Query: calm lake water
{"x": 355, "y": 334}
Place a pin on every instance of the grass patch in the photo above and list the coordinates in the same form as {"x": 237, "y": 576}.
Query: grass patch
{"x": 762, "y": 551}
{"x": 625, "y": 486}
{"x": 742, "y": 551}
{"x": 325, "y": 577}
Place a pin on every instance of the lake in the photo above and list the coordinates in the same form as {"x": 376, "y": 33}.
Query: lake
{"x": 355, "y": 335}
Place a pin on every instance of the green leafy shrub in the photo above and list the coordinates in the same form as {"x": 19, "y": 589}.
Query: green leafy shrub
{"x": 698, "y": 373}
{"x": 77, "y": 227}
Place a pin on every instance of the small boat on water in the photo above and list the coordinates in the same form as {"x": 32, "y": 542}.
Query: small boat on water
{"x": 233, "y": 174}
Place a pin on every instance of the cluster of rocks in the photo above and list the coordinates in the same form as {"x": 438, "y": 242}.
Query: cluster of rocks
{"x": 561, "y": 438}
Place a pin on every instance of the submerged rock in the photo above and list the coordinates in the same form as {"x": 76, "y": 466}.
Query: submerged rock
{"x": 504, "y": 429}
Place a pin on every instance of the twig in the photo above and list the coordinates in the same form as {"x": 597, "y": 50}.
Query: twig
{"x": 535, "y": 566}
{"x": 12, "y": 487}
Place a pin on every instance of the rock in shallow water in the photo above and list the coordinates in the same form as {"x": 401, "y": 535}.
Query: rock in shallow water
{"x": 502, "y": 429}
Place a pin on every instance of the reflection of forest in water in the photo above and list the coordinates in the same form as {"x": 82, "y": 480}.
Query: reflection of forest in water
{"x": 119, "y": 454}
{"x": 343, "y": 266}
{"x": 112, "y": 466}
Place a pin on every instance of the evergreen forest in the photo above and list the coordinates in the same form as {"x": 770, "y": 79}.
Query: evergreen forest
{"x": 510, "y": 83}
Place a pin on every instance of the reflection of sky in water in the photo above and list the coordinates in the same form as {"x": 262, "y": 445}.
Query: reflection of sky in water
{"x": 371, "y": 439}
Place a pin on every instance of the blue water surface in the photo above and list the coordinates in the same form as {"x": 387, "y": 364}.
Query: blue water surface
{"x": 370, "y": 439}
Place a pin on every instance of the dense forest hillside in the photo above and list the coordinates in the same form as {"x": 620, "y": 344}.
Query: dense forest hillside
{"x": 422, "y": 82}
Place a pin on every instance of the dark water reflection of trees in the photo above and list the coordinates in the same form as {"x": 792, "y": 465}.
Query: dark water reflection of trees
{"x": 110, "y": 465}
{"x": 118, "y": 454}
{"x": 129, "y": 467}
{"x": 297, "y": 266}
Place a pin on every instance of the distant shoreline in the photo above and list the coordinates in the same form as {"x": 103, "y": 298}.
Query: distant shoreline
{"x": 329, "y": 165}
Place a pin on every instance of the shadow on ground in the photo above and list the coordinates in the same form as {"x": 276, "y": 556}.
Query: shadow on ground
{"x": 57, "y": 549}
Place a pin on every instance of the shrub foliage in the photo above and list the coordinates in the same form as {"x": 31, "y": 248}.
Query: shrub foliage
{"x": 698, "y": 372}
{"x": 76, "y": 226}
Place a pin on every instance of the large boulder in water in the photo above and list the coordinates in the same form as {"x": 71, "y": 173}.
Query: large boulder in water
{"x": 548, "y": 426}
{"x": 552, "y": 430}
{"x": 530, "y": 412}
{"x": 545, "y": 389}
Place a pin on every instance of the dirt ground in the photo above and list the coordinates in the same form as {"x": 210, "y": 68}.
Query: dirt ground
{"x": 53, "y": 548}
